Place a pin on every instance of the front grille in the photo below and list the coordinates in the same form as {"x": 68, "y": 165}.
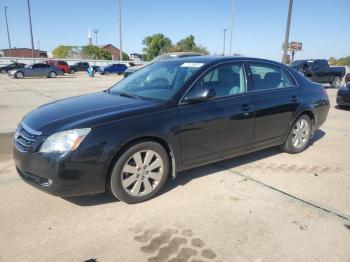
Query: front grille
{"x": 25, "y": 138}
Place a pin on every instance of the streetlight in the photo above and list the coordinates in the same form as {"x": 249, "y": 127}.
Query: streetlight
{"x": 286, "y": 39}
{"x": 30, "y": 26}
{"x": 96, "y": 31}
{"x": 223, "y": 48}
{"x": 119, "y": 12}
{"x": 8, "y": 33}
{"x": 231, "y": 30}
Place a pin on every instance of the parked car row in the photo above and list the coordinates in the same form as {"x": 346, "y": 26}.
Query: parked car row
{"x": 53, "y": 68}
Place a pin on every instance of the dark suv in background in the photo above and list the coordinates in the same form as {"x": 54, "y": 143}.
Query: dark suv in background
{"x": 82, "y": 66}
{"x": 318, "y": 70}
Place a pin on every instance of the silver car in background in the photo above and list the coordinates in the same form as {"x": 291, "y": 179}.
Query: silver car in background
{"x": 39, "y": 69}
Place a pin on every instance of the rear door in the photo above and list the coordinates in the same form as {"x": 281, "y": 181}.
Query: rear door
{"x": 275, "y": 98}
{"x": 214, "y": 130}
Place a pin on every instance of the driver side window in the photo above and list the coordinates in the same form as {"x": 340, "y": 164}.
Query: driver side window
{"x": 225, "y": 80}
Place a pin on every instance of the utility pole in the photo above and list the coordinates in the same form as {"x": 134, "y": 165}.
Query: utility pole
{"x": 96, "y": 31}
{"x": 8, "y": 33}
{"x": 232, "y": 20}
{"x": 120, "y": 29}
{"x": 30, "y": 26}
{"x": 223, "y": 48}
{"x": 286, "y": 39}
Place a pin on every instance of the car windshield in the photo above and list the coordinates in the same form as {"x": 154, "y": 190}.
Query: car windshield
{"x": 156, "y": 81}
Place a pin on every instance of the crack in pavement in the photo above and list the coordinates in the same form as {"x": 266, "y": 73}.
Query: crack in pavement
{"x": 310, "y": 203}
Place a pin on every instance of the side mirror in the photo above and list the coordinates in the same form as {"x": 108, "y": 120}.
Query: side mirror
{"x": 200, "y": 95}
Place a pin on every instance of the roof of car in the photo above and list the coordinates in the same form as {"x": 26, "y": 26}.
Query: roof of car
{"x": 212, "y": 59}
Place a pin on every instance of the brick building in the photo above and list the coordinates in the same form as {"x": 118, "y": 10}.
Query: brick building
{"x": 112, "y": 49}
{"x": 23, "y": 52}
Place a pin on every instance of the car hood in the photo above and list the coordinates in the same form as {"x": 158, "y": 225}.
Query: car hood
{"x": 84, "y": 111}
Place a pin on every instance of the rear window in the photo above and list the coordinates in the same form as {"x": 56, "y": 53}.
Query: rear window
{"x": 267, "y": 77}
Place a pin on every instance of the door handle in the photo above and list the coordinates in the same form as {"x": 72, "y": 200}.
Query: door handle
{"x": 246, "y": 107}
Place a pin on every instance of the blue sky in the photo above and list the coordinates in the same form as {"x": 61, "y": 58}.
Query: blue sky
{"x": 321, "y": 25}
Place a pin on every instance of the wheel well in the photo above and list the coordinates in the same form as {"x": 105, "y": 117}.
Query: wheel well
{"x": 160, "y": 141}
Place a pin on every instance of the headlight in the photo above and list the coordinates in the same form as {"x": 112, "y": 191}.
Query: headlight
{"x": 64, "y": 141}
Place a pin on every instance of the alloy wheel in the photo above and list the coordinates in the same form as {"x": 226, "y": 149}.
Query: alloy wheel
{"x": 142, "y": 173}
{"x": 301, "y": 133}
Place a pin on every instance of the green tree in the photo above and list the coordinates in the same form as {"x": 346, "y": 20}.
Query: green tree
{"x": 94, "y": 52}
{"x": 155, "y": 45}
{"x": 61, "y": 51}
{"x": 332, "y": 61}
{"x": 188, "y": 44}
{"x": 344, "y": 61}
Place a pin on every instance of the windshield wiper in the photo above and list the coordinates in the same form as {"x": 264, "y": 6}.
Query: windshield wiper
{"x": 126, "y": 94}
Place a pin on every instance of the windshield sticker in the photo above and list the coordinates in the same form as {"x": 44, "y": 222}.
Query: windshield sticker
{"x": 197, "y": 65}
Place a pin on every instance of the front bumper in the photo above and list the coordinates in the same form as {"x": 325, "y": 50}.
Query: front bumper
{"x": 61, "y": 175}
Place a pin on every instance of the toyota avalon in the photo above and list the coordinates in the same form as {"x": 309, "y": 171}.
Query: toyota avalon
{"x": 166, "y": 117}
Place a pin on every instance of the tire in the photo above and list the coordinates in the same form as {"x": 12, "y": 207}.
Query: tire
{"x": 128, "y": 176}
{"x": 336, "y": 82}
{"x": 3, "y": 71}
{"x": 19, "y": 75}
{"x": 298, "y": 140}
{"x": 52, "y": 74}
{"x": 71, "y": 71}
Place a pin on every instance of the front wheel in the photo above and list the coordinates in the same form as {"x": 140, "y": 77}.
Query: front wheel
{"x": 139, "y": 173}
{"x": 19, "y": 75}
{"x": 71, "y": 71}
{"x": 299, "y": 136}
{"x": 336, "y": 82}
{"x": 52, "y": 74}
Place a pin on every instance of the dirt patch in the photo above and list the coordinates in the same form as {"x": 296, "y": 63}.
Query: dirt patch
{"x": 6, "y": 146}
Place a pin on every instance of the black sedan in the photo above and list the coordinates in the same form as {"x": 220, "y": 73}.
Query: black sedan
{"x": 13, "y": 66}
{"x": 165, "y": 118}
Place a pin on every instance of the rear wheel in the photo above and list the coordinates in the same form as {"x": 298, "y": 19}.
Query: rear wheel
{"x": 71, "y": 71}
{"x": 52, "y": 74}
{"x": 336, "y": 82}
{"x": 3, "y": 71}
{"x": 299, "y": 136}
{"x": 140, "y": 172}
{"x": 19, "y": 75}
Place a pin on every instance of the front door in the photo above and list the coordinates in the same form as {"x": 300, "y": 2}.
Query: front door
{"x": 214, "y": 130}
